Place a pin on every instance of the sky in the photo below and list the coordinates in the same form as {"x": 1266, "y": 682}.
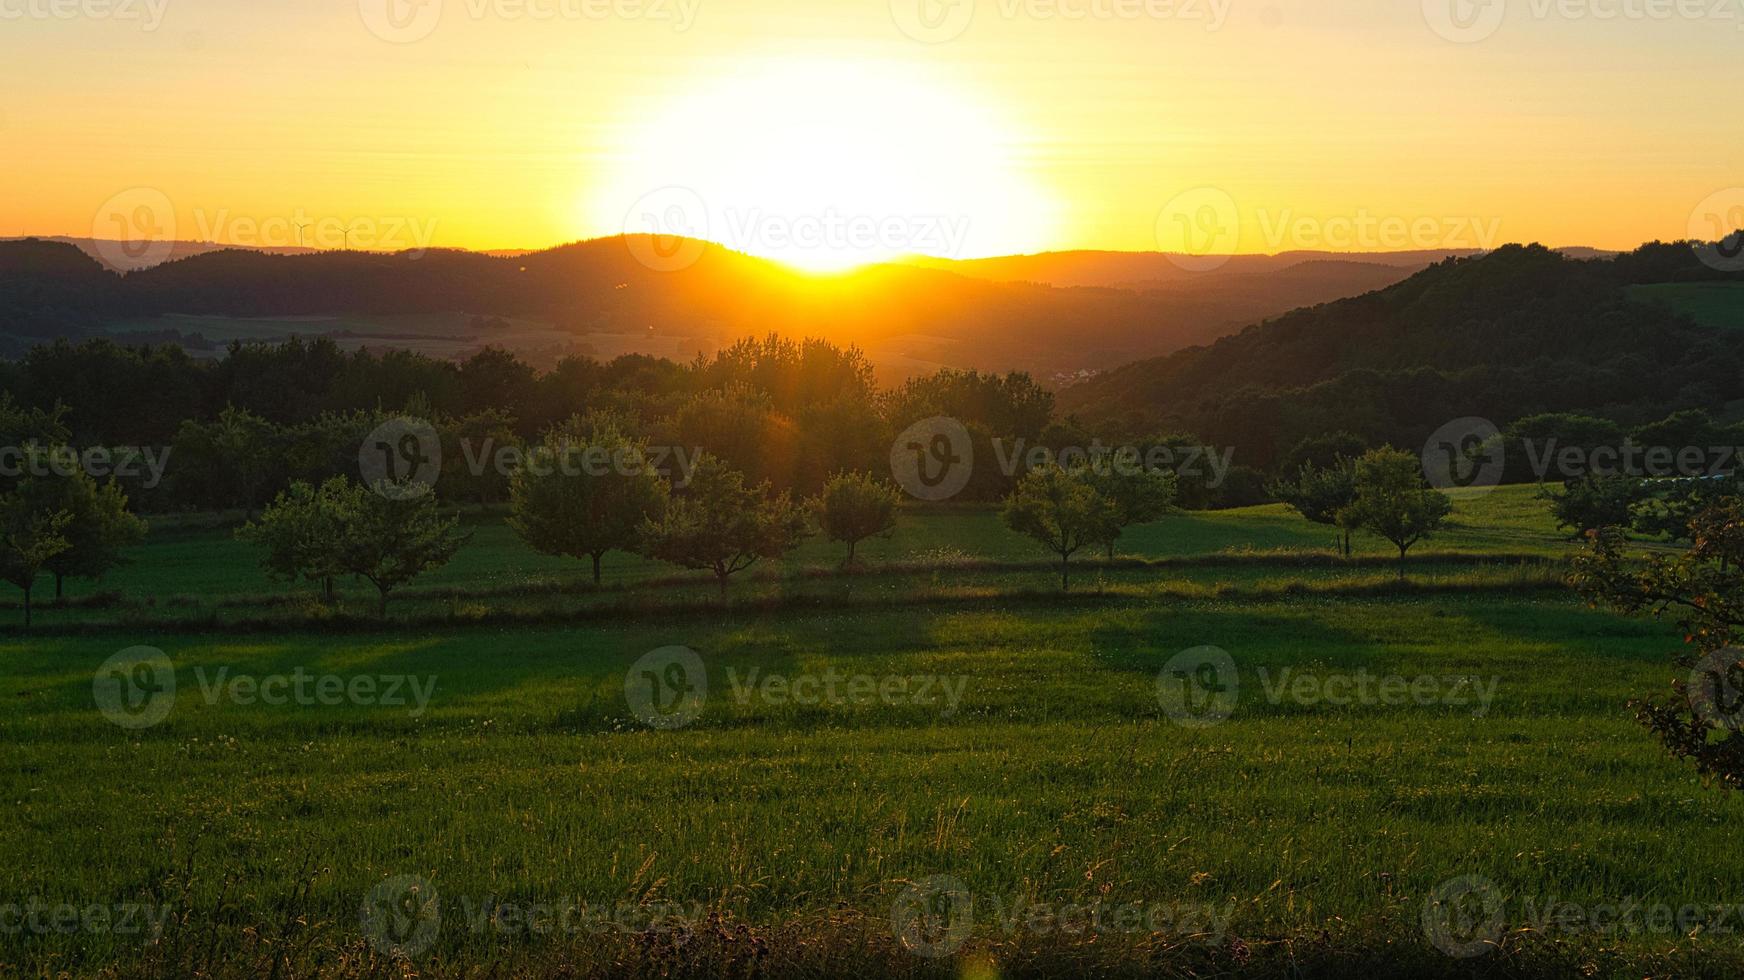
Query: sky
{"x": 829, "y": 132}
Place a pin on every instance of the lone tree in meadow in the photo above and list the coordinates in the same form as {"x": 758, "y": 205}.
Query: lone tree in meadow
{"x": 581, "y": 495}
{"x": 32, "y": 533}
{"x": 1394, "y": 501}
{"x": 854, "y": 507}
{"x": 1320, "y": 494}
{"x": 1138, "y": 494}
{"x": 98, "y": 527}
{"x": 720, "y": 524}
{"x": 350, "y": 529}
{"x": 1060, "y": 509}
{"x": 1595, "y": 502}
{"x": 300, "y": 531}
{"x": 1703, "y": 588}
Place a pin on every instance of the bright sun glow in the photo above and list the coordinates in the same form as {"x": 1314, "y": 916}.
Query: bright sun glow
{"x": 826, "y": 166}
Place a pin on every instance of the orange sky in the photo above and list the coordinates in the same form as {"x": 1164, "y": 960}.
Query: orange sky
{"x": 839, "y": 131}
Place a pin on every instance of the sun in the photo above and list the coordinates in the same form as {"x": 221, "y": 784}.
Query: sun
{"x": 827, "y": 166}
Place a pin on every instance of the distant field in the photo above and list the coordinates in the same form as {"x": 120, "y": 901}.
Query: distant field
{"x": 1716, "y": 304}
{"x": 1040, "y": 766}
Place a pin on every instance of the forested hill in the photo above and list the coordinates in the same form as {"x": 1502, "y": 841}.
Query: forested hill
{"x": 53, "y": 290}
{"x": 1516, "y": 332}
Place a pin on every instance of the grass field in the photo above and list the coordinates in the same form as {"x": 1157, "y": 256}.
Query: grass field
{"x": 1015, "y": 785}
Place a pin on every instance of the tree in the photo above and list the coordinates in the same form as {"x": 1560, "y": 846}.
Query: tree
{"x": 720, "y": 524}
{"x": 854, "y": 507}
{"x": 1668, "y": 507}
{"x": 1704, "y": 587}
{"x": 585, "y": 492}
{"x": 1393, "y": 500}
{"x": 346, "y": 528}
{"x": 301, "y": 531}
{"x": 98, "y": 527}
{"x": 1594, "y": 502}
{"x": 1138, "y": 494}
{"x": 1060, "y": 509}
{"x": 227, "y": 462}
{"x": 1321, "y": 494}
{"x": 32, "y": 532}
{"x": 391, "y": 541}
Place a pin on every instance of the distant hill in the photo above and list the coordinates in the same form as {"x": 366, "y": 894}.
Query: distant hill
{"x": 114, "y": 255}
{"x": 907, "y": 317}
{"x": 1517, "y": 331}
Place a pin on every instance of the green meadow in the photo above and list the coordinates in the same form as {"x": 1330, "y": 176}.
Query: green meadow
{"x": 935, "y": 765}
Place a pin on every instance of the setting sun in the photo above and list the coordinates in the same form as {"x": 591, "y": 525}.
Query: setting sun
{"x": 825, "y": 165}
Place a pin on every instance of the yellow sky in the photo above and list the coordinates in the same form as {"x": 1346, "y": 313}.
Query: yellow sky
{"x": 824, "y": 131}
